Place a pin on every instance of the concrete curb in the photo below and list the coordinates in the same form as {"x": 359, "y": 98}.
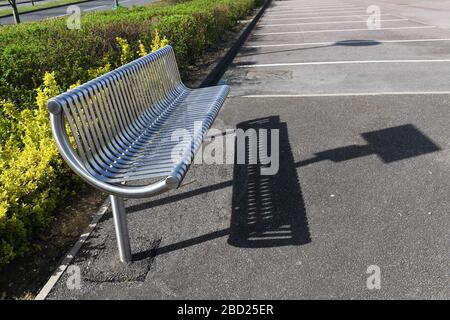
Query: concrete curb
{"x": 212, "y": 78}
{"x": 43, "y": 9}
{"x": 65, "y": 262}
{"x": 29, "y": 1}
{"x": 218, "y": 71}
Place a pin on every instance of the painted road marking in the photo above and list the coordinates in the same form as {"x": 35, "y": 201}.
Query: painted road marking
{"x": 340, "y": 62}
{"x": 312, "y": 7}
{"x": 311, "y": 13}
{"x": 344, "y": 42}
{"x": 94, "y": 8}
{"x": 316, "y": 10}
{"x": 342, "y": 30}
{"x": 346, "y": 16}
{"x": 307, "y": 95}
{"x": 331, "y": 22}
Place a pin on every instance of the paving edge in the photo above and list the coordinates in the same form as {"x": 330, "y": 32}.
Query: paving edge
{"x": 211, "y": 79}
{"x": 65, "y": 262}
{"x": 29, "y": 1}
{"x": 218, "y": 71}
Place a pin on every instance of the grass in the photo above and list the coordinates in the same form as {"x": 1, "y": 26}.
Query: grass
{"x": 37, "y": 6}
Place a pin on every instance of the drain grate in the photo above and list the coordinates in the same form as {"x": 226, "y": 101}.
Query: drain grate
{"x": 268, "y": 75}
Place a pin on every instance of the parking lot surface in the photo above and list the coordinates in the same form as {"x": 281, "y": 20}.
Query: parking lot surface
{"x": 363, "y": 181}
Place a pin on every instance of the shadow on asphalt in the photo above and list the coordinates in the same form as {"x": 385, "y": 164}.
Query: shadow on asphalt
{"x": 252, "y": 51}
{"x": 391, "y": 144}
{"x": 269, "y": 211}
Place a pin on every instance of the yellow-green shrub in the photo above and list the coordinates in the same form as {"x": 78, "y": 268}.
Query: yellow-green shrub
{"x": 125, "y": 50}
{"x": 158, "y": 42}
{"x": 33, "y": 177}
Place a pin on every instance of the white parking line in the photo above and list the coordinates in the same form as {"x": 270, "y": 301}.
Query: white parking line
{"x": 341, "y": 30}
{"x": 311, "y": 7}
{"x": 325, "y": 17}
{"x": 321, "y": 5}
{"x": 319, "y": 63}
{"x": 311, "y": 13}
{"x": 328, "y": 22}
{"x": 94, "y": 8}
{"x": 316, "y": 10}
{"x": 349, "y": 42}
{"x": 413, "y": 20}
{"x": 307, "y": 95}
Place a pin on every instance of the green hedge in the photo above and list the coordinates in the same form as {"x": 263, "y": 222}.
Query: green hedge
{"x": 34, "y": 181}
{"x": 28, "y": 50}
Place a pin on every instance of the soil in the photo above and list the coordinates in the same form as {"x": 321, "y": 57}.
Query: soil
{"x": 198, "y": 72}
{"x": 24, "y": 277}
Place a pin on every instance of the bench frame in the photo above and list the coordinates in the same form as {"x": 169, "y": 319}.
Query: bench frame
{"x": 118, "y": 191}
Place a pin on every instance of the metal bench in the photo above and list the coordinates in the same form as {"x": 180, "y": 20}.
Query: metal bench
{"x": 121, "y": 130}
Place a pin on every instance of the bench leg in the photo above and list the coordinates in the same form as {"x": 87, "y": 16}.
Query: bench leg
{"x": 120, "y": 223}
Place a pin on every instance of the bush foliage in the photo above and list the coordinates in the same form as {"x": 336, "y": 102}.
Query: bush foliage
{"x": 47, "y": 55}
{"x": 28, "y": 50}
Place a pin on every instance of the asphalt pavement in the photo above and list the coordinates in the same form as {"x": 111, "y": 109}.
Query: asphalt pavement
{"x": 364, "y": 172}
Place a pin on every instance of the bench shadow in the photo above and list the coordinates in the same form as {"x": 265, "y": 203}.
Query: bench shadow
{"x": 267, "y": 210}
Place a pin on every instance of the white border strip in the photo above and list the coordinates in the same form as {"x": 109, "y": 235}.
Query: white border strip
{"x": 94, "y": 8}
{"x": 318, "y": 63}
{"x": 341, "y": 30}
{"x": 350, "y": 94}
{"x": 288, "y": 2}
{"x": 315, "y": 10}
{"x": 312, "y": 13}
{"x": 349, "y": 42}
{"x": 328, "y": 22}
{"x": 345, "y": 16}
{"x": 72, "y": 253}
{"x": 284, "y": 8}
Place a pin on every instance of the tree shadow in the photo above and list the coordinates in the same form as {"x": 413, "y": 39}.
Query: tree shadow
{"x": 390, "y": 145}
{"x": 253, "y": 51}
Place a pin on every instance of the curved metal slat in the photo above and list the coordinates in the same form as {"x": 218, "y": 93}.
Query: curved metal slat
{"x": 123, "y": 121}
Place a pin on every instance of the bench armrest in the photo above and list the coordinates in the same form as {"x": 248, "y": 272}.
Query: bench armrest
{"x": 72, "y": 159}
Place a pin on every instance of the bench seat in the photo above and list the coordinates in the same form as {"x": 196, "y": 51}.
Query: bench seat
{"x": 153, "y": 150}
{"x": 133, "y": 123}
{"x": 125, "y": 123}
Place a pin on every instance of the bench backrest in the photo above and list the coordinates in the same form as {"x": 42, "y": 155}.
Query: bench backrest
{"x": 107, "y": 114}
